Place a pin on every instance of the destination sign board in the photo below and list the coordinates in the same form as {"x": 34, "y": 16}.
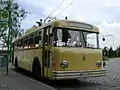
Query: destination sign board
{"x": 80, "y": 25}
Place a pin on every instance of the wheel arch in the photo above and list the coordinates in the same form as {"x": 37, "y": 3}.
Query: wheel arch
{"x": 16, "y": 62}
{"x": 36, "y": 60}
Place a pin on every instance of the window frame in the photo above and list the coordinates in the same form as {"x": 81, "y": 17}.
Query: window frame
{"x": 97, "y": 37}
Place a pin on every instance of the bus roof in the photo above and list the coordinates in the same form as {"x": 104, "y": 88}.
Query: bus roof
{"x": 63, "y": 24}
{"x": 75, "y": 25}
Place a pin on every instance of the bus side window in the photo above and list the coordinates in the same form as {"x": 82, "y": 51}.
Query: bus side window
{"x": 19, "y": 45}
{"x": 55, "y": 36}
{"x": 38, "y": 40}
{"x": 26, "y": 43}
{"x": 30, "y": 43}
{"x": 15, "y": 46}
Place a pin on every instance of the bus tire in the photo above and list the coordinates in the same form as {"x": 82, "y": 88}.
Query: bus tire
{"x": 16, "y": 63}
{"x": 36, "y": 69}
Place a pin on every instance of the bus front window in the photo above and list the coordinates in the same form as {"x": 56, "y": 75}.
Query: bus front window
{"x": 66, "y": 37}
{"x": 91, "y": 40}
{"x": 74, "y": 38}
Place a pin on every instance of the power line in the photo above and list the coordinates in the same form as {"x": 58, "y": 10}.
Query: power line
{"x": 66, "y": 7}
{"x": 54, "y": 10}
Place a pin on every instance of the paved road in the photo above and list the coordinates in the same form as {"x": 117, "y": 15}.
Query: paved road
{"x": 16, "y": 81}
{"x": 109, "y": 82}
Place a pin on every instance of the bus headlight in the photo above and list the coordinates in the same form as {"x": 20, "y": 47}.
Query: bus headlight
{"x": 99, "y": 64}
{"x": 64, "y": 64}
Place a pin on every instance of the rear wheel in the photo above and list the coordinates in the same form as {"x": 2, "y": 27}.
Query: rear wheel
{"x": 36, "y": 69}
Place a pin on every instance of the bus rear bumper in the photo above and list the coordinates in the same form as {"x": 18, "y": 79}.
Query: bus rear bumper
{"x": 77, "y": 74}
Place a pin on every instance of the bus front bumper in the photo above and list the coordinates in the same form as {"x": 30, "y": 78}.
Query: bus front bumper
{"x": 78, "y": 74}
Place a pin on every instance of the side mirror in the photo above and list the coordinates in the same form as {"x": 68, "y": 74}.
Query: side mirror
{"x": 103, "y": 39}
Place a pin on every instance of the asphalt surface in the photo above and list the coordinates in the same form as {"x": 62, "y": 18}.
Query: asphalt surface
{"x": 16, "y": 81}
{"x": 109, "y": 82}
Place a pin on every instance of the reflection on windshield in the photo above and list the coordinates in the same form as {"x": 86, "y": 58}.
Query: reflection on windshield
{"x": 72, "y": 38}
{"x": 92, "y": 40}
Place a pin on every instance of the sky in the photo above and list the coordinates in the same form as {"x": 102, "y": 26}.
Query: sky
{"x": 105, "y": 14}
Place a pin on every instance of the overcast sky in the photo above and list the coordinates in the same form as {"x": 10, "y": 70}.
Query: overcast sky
{"x": 103, "y": 13}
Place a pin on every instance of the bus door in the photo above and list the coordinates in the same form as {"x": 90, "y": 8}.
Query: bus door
{"x": 47, "y": 52}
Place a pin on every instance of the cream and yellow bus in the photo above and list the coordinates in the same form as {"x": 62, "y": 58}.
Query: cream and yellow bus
{"x": 60, "y": 49}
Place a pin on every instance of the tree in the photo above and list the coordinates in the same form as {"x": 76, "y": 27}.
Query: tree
{"x": 118, "y": 51}
{"x": 17, "y": 15}
{"x": 110, "y": 52}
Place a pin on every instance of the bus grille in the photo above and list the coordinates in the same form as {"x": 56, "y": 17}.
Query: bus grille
{"x": 78, "y": 74}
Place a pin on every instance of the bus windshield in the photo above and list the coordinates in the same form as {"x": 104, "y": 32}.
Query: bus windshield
{"x": 75, "y": 38}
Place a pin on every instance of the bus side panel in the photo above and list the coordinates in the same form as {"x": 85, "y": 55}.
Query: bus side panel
{"x": 19, "y": 55}
{"x": 26, "y": 57}
{"x": 29, "y": 56}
